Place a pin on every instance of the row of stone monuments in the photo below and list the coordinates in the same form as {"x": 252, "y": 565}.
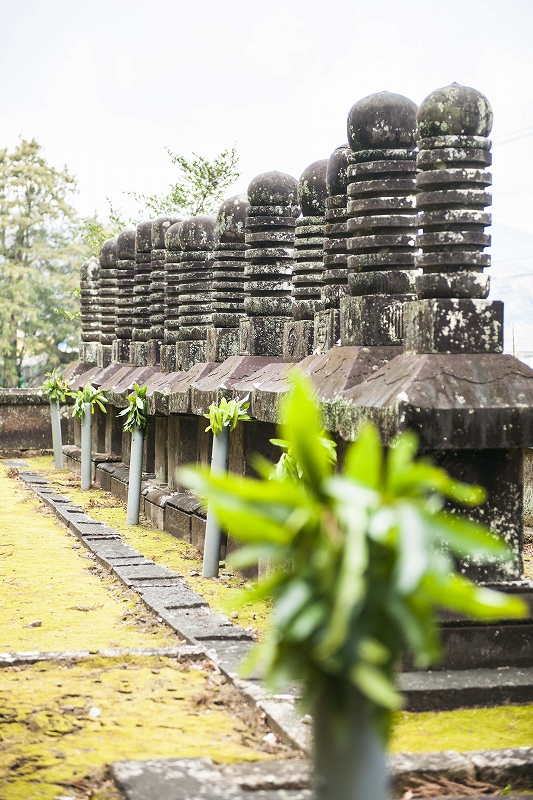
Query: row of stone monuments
{"x": 370, "y": 266}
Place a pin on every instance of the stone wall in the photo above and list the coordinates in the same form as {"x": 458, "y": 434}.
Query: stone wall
{"x": 25, "y": 426}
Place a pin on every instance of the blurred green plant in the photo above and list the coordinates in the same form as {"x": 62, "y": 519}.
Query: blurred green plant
{"x": 89, "y": 394}
{"x": 56, "y": 388}
{"x": 372, "y": 553}
{"x": 288, "y": 467}
{"x": 135, "y": 411}
{"x": 228, "y": 413}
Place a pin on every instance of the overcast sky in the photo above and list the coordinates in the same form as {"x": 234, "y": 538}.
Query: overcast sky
{"x": 105, "y": 85}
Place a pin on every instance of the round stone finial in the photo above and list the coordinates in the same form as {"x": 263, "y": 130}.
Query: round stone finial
{"x": 108, "y": 253}
{"x": 126, "y": 244}
{"x": 312, "y": 189}
{"x": 89, "y": 269}
{"x": 273, "y": 189}
{"x": 172, "y": 236}
{"x": 382, "y": 121}
{"x": 336, "y": 172}
{"x": 231, "y": 219}
{"x": 143, "y": 238}
{"x": 198, "y": 233}
{"x": 454, "y": 110}
{"x": 159, "y": 227}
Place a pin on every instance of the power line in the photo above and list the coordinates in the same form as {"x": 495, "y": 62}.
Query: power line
{"x": 507, "y": 138}
{"x": 518, "y": 258}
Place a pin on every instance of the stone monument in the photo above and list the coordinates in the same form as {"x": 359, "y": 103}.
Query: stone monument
{"x": 270, "y": 225}
{"x": 196, "y": 238}
{"x": 382, "y": 222}
{"x": 228, "y": 279}
{"x": 141, "y": 294}
{"x": 107, "y": 292}
{"x": 335, "y": 275}
{"x": 89, "y": 311}
{"x": 157, "y": 286}
{"x": 308, "y": 263}
{"x": 125, "y": 302}
{"x": 172, "y": 275}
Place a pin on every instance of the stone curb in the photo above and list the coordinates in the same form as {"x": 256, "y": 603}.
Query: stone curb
{"x": 36, "y": 656}
{"x": 187, "y": 779}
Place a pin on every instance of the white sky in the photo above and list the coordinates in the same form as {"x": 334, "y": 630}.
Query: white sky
{"x": 104, "y": 85}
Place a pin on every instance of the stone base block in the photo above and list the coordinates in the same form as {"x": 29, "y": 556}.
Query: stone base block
{"x": 372, "y": 320}
{"x": 154, "y": 352}
{"x": 89, "y": 352}
{"x": 190, "y": 353}
{"x": 327, "y": 330}
{"x": 121, "y": 351}
{"x": 168, "y": 358}
{"x": 104, "y": 355}
{"x": 262, "y": 336}
{"x": 298, "y": 340}
{"x": 139, "y": 354}
{"x": 222, "y": 343}
{"x": 453, "y": 326}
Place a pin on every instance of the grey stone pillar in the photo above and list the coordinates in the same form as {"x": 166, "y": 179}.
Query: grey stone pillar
{"x": 125, "y": 303}
{"x": 196, "y": 237}
{"x": 335, "y": 275}
{"x": 308, "y": 267}
{"x": 382, "y": 222}
{"x": 228, "y": 279}
{"x": 172, "y": 273}
{"x": 90, "y": 311}
{"x": 270, "y": 225}
{"x": 157, "y": 287}
{"x": 107, "y": 289}
{"x": 141, "y": 294}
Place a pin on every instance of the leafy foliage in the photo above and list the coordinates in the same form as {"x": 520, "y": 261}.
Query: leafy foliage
{"x": 40, "y": 254}
{"x": 89, "y": 394}
{"x": 227, "y": 413}
{"x": 136, "y": 409}
{"x": 95, "y": 233}
{"x": 372, "y": 554}
{"x": 55, "y": 388}
{"x": 288, "y": 467}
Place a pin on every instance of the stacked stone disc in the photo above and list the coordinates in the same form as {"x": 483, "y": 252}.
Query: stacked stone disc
{"x": 157, "y": 286}
{"x": 141, "y": 293}
{"x": 228, "y": 279}
{"x": 270, "y": 232}
{"x": 197, "y": 238}
{"x": 383, "y": 219}
{"x": 454, "y": 153}
{"x": 89, "y": 310}
{"x": 335, "y": 274}
{"x": 107, "y": 290}
{"x": 308, "y": 263}
{"x": 171, "y": 324}
{"x": 125, "y": 303}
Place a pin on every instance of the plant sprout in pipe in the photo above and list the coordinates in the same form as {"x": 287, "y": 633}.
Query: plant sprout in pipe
{"x": 56, "y": 389}
{"x": 373, "y": 556}
{"x": 223, "y": 418}
{"x": 85, "y": 401}
{"x": 136, "y": 422}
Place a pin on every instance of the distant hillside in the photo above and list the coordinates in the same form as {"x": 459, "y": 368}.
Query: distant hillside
{"x": 512, "y": 281}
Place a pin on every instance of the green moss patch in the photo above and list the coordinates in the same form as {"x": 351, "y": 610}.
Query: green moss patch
{"x": 61, "y": 726}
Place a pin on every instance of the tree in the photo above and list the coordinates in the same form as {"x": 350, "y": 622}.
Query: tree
{"x": 40, "y": 253}
{"x": 200, "y": 189}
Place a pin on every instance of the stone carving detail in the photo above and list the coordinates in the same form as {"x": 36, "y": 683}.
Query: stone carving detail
{"x": 383, "y": 220}
{"x": 453, "y": 314}
{"x": 125, "y": 301}
{"x": 270, "y": 225}
{"x": 157, "y": 284}
{"x": 196, "y": 238}
{"x": 309, "y": 242}
{"x": 141, "y": 289}
{"x": 89, "y": 311}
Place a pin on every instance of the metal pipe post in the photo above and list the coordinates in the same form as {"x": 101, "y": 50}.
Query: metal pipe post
{"x": 135, "y": 476}
{"x": 86, "y": 447}
{"x": 56, "y": 434}
{"x": 213, "y": 533}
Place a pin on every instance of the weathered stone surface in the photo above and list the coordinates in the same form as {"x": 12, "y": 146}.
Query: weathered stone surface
{"x": 298, "y": 339}
{"x": 179, "y": 399}
{"x": 372, "y": 320}
{"x": 262, "y": 336}
{"x": 222, "y": 343}
{"x": 211, "y": 387}
{"x": 327, "y": 330}
{"x": 453, "y": 326}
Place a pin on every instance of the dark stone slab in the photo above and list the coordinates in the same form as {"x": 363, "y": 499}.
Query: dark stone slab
{"x": 204, "y": 625}
{"x": 141, "y": 575}
{"x": 222, "y": 343}
{"x": 179, "y": 401}
{"x": 262, "y": 336}
{"x": 213, "y": 386}
{"x": 298, "y": 339}
{"x": 447, "y": 690}
{"x": 179, "y": 596}
{"x": 454, "y": 326}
